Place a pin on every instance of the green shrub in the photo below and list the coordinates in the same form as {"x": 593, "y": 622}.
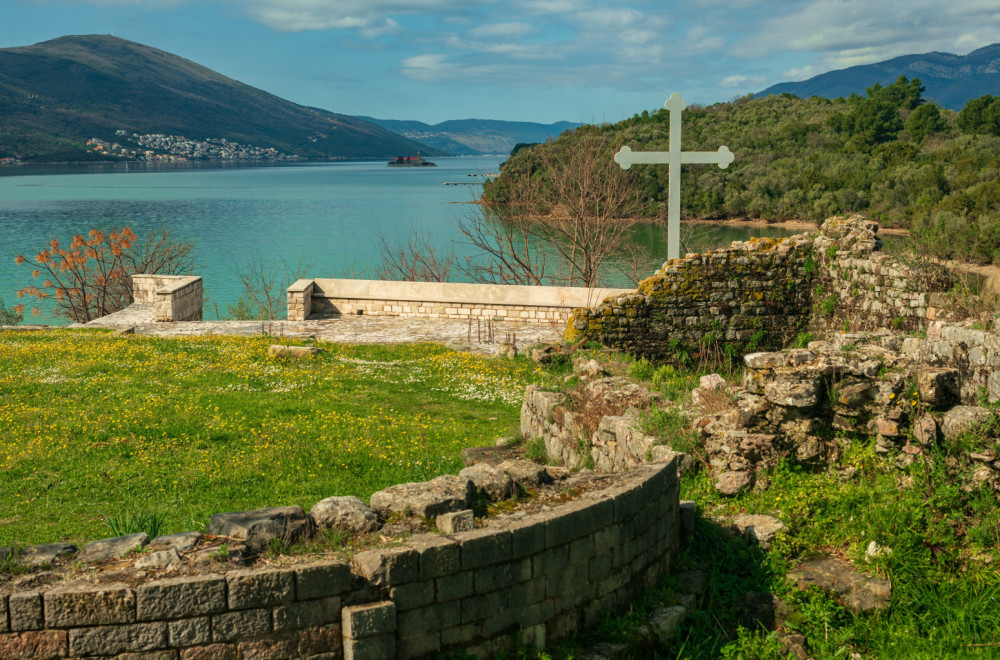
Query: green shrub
{"x": 641, "y": 370}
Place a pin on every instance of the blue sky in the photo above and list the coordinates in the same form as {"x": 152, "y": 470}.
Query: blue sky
{"x": 524, "y": 60}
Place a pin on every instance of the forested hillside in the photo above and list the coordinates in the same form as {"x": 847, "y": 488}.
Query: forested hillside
{"x": 889, "y": 155}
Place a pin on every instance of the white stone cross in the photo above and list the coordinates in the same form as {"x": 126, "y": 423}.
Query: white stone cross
{"x": 674, "y": 158}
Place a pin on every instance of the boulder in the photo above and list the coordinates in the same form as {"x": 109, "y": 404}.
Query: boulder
{"x": 492, "y": 455}
{"x": 925, "y": 431}
{"x": 46, "y": 553}
{"x": 181, "y": 542}
{"x": 526, "y": 473}
{"x": 938, "y": 386}
{"x": 237, "y": 524}
{"x": 291, "y": 351}
{"x": 161, "y": 559}
{"x": 113, "y": 548}
{"x": 793, "y": 393}
{"x": 457, "y": 521}
{"x": 666, "y": 620}
{"x": 347, "y": 513}
{"x": 427, "y": 499}
{"x": 758, "y": 528}
{"x": 734, "y": 482}
{"x": 858, "y": 591}
{"x": 587, "y": 368}
{"x": 962, "y": 419}
{"x": 710, "y": 382}
{"x": 260, "y": 534}
{"x": 492, "y": 481}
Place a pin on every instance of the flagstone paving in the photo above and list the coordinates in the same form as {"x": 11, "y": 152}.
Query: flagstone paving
{"x": 456, "y": 334}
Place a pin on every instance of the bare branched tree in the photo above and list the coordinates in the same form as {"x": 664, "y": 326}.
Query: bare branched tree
{"x": 559, "y": 221}
{"x": 417, "y": 259}
{"x": 92, "y": 276}
{"x": 264, "y": 289}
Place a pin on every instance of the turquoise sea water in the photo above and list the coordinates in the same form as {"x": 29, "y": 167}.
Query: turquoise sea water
{"x": 326, "y": 215}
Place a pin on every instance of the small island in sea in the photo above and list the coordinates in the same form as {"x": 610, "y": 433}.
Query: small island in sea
{"x": 411, "y": 161}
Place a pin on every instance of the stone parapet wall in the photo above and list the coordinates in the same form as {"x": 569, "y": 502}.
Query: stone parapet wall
{"x": 180, "y": 301}
{"x": 860, "y": 288}
{"x": 452, "y": 300}
{"x": 530, "y": 579}
{"x": 754, "y": 293}
{"x": 759, "y": 294}
{"x": 300, "y": 300}
{"x": 175, "y": 297}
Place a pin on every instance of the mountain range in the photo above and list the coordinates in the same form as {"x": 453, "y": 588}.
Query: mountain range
{"x": 473, "y": 137}
{"x": 950, "y": 80}
{"x": 57, "y": 94}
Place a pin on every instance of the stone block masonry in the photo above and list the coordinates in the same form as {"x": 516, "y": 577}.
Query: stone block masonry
{"x": 438, "y": 300}
{"x": 532, "y": 579}
{"x": 174, "y": 297}
{"x": 759, "y": 294}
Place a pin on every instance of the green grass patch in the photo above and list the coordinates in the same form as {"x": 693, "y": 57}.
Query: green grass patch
{"x": 98, "y": 430}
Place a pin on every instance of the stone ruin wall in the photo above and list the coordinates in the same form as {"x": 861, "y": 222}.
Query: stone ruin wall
{"x": 759, "y": 294}
{"x": 530, "y": 579}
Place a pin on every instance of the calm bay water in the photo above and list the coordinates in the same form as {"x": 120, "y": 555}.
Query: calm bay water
{"x": 326, "y": 215}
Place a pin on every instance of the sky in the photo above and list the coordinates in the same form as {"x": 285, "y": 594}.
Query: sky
{"x": 521, "y": 60}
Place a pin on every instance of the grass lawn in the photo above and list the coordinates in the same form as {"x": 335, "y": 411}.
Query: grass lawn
{"x": 95, "y": 425}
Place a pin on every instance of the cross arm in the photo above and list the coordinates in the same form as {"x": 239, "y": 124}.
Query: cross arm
{"x": 723, "y": 157}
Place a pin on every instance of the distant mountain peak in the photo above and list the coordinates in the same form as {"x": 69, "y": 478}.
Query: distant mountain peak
{"x": 950, "y": 80}
{"x": 57, "y": 94}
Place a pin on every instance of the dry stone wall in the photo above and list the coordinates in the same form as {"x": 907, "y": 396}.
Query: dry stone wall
{"x": 529, "y": 579}
{"x": 760, "y": 293}
{"x": 174, "y": 297}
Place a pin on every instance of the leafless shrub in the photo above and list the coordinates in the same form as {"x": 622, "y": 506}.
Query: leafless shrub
{"x": 417, "y": 259}
{"x": 264, "y": 289}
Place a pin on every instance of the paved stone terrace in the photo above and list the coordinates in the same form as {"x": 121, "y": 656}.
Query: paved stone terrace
{"x": 455, "y": 334}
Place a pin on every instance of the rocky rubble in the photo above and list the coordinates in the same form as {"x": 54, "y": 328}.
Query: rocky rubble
{"x": 807, "y": 404}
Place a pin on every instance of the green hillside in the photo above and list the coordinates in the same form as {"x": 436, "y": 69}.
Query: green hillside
{"x": 57, "y": 94}
{"x": 901, "y": 162}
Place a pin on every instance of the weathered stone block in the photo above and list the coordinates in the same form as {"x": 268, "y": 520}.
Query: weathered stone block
{"x": 575, "y": 519}
{"x": 456, "y": 521}
{"x": 961, "y": 419}
{"x": 412, "y": 595}
{"x": 46, "y": 553}
{"x": 347, "y": 513}
{"x": 321, "y": 580}
{"x": 321, "y": 639}
{"x": 501, "y": 576}
{"x": 453, "y": 587}
{"x": 252, "y": 589}
{"x": 269, "y": 648}
{"x": 189, "y": 632}
{"x": 230, "y": 626}
{"x": 32, "y": 645}
{"x": 484, "y": 546}
{"x": 237, "y": 524}
{"x": 111, "y": 640}
{"x": 382, "y": 647}
{"x": 482, "y": 607}
{"x": 418, "y": 646}
{"x": 428, "y": 619}
{"x": 210, "y": 652}
{"x": 425, "y": 499}
{"x": 369, "y": 620}
{"x": 89, "y": 605}
{"x": 304, "y": 614}
{"x": 113, "y": 548}
{"x": 176, "y": 598}
{"x": 438, "y": 555}
{"x": 25, "y": 610}
{"x": 527, "y": 537}
{"x": 388, "y": 566}
{"x": 495, "y": 483}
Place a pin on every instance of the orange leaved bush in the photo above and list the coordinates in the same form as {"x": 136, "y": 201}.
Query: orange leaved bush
{"x": 93, "y": 276}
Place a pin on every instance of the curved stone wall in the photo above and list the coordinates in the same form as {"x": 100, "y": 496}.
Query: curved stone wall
{"x": 528, "y": 578}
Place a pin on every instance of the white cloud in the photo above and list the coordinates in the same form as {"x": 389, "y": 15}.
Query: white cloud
{"x": 505, "y": 30}
{"x": 427, "y": 68}
{"x": 376, "y": 15}
{"x": 742, "y": 82}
